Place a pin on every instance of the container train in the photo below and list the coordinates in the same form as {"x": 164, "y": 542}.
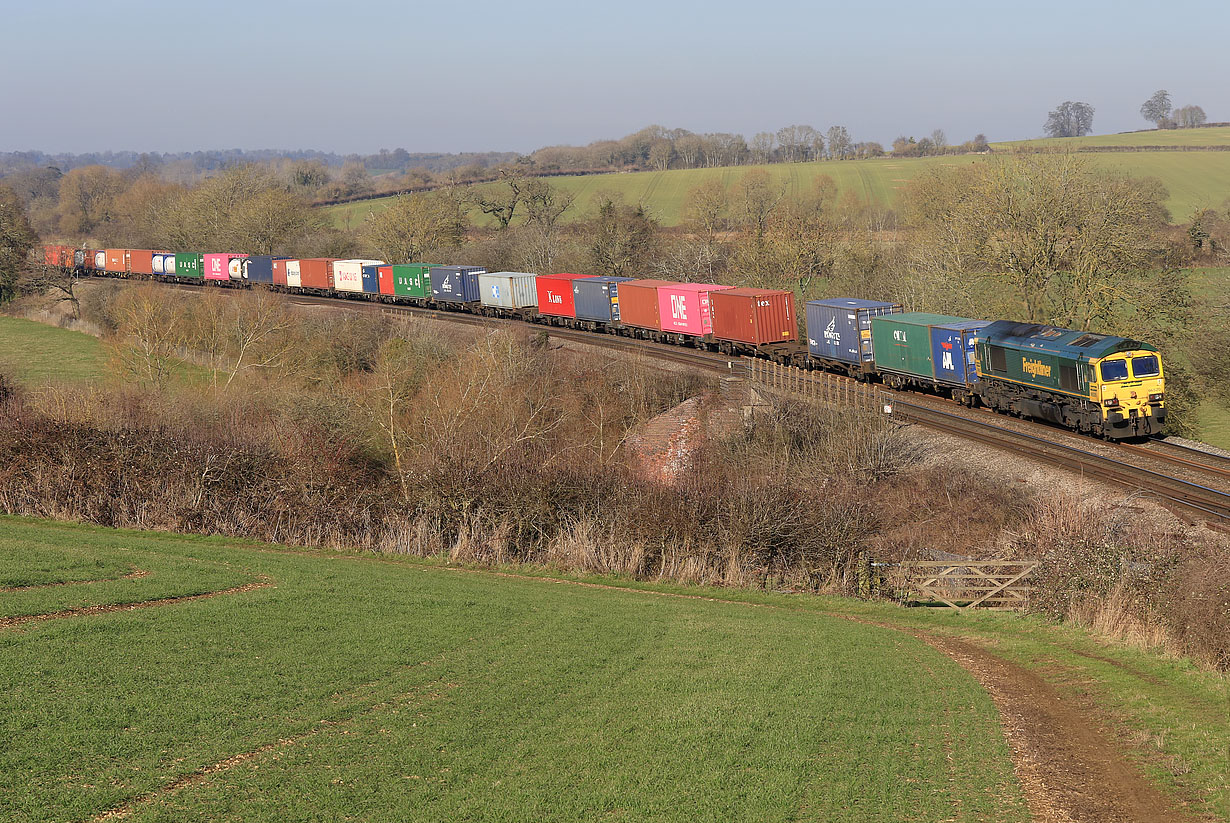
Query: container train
{"x": 1110, "y": 387}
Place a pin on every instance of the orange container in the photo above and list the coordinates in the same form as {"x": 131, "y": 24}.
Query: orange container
{"x": 638, "y": 303}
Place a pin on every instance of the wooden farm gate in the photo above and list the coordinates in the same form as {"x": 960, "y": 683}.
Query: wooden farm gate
{"x": 967, "y": 584}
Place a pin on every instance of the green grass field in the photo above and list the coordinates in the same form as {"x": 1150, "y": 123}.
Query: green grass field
{"x": 38, "y": 352}
{"x": 1209, "y": 136}
{"x": 1194, "y": 180}
{"x": 403, "y": 691}
{"x": 355, "y": 687}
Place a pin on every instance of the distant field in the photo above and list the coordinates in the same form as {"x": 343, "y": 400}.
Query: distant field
{"x": 38, "y": 352}
{"x": 1194, "y": 179}
{"x": 350, "y": 687}
{"x": 1211, "y": 136}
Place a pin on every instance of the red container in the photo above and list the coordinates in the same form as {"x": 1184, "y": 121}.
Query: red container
{"x": 279, "y": 272}
{"x": 684, "y": 307}
{"x": 555, "y": 294}
{"x": 754, "y": 316}
{"x": 316, "y": 272}
{"x": 51, "y": 255}
{"x": 117, "y": 260}
{"x": 384, "y": 276}
{"x": 638, "y": 303}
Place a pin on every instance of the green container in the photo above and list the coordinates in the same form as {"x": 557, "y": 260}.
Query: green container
{"x": 411, "y": 279}
{"x": 902, "y": 342}
{"x": 189, "y": 265}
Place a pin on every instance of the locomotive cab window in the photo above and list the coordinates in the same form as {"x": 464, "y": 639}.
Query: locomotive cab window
{"x": 1145, "y": 366}
{"x": 1114, "y": 370}
{"x": 999, "y": 359}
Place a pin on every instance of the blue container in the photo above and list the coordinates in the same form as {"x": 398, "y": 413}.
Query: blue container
{"x": 456, "y": 284}
{"x": 371, "y": 279}
{"x": 597, "y": 298}
{"x": 259, "y": 269}
{"x": 952, "y": 351}
{"x": 840, "y": 329}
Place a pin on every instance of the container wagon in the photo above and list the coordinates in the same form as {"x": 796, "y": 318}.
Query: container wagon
{"x": 454, "y": 286}
{"x": 757, "y": 322}
{"x": 839, "y": 334}
{"x": 348, "y": 275}
{"x": 556, "y": 301}
{"x": 639, "y": 307}
{"x": 508, "y": 294}
{"x": 932, "y": 352}
{"x": 597, "y": 302}
{"x": 406, "y": 280}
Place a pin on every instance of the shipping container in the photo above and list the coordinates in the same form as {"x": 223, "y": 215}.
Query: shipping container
{"x": 293, "y": 279}
{"x": 79, "y": 258}
{"x": 117, "y": 260}
{"x": 189, "y": 264}
{"x": 754, "y": 316}
{"x": 455, "y": 284}
{"x": 56, "y": 255}
{"x": 279, "y": 270}
{"x": 140, "y": 261}
{"x": 224, "y": 266}
{"x": 555, "y": 296}
{"x": 371, "y": 278}
{"x": 168, "y": 264}
{"x": 348, "y": 274}
{"x": 638, "y": 303}
{"x": 406, "y": 279}
{"x": 259, "y": 269}
{"x": 100, "y": 260}
{"x": 158, "y": 265}
{"x": 902, "y": 343}
{"x": 507, "y": 290}
{"x": 597, "y": 298}
{"x": 840, "y": 329}
{"x": 952, "y": 349}
{"x": 684, "y": 307}
{"x": 314, "y": 273}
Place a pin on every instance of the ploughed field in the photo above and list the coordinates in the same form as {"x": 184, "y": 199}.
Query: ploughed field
{"x": 1196, "y": 179}
{"x": 258, "y": 684}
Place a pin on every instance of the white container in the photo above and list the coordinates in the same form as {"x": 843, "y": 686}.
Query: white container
{"x": 348, "y": 274}
{"x": 156, "y": 263}
{"x": 292, "y": 274}
{"x": 100, "y": 260}
{"x": 507, "y": 290}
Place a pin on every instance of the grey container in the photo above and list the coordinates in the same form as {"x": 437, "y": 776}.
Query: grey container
{"x": 840, "y": 329}
{"x": 597, "y": 298}
{"x": 455, "y": 284}
{"x": 507, "y": 290}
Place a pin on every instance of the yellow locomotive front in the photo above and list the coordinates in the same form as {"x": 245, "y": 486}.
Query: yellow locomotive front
{"x": 1130, "y": 388}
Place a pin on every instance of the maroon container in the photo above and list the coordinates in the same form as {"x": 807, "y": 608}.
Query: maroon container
{"x": 638, "y": 303}
{"x": 117, "y": 260}
{"x": 279, "y": 272}
{"x": 141, "y": 261}
{"x": 754, "y": 316}
{"x": 316, "y": 272}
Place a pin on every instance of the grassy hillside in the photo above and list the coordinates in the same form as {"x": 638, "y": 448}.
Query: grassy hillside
{"x": 37, "y": 352}
{"x": 1194, "y": 180}
{"x": 1210, "y": 136}
{"x": 350, "y": 686}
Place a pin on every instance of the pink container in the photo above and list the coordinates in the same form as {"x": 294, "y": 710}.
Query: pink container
{"x": 684, "y": 307}
{"x": 218, "y": 266}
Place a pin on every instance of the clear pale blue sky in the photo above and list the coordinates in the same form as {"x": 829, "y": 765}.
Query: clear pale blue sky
{"x": 361, "y": 75}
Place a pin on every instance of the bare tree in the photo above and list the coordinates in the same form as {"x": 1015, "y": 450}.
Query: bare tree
{"x": 762, "y": 147}
{"x": 1157, "y": 108}
{"x": 939, "y": 140}
{"x": 1070, "y": 119}
{"x": 1189, "y": 117}
{"x": 501, "y": 201}
{"x": 839, "y": 142}
{"x": 416, "y": 224}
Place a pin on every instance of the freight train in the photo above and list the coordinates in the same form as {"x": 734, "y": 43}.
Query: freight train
{"x": 1109, "y": 387}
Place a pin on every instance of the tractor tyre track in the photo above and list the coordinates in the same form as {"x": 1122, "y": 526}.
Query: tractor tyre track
{"x": 106, "y": 608}
{"x": 135, "y": 574}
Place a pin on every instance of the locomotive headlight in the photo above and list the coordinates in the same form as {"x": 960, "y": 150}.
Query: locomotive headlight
{"x": 1110, "y": 401}
{"x": 1155, "y": 398}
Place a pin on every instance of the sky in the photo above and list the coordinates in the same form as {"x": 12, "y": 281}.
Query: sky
{"x": 361, "y": 75}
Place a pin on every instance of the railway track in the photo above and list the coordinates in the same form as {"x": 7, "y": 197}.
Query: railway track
{"x": 1197, "y": 501}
